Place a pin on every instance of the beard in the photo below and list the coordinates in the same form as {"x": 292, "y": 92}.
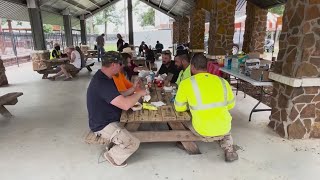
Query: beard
{"x": 179, "y": 68}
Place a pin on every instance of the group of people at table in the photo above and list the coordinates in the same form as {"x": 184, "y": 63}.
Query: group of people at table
{"x": 208, "y": 97}
{"x": 76, "y": 61}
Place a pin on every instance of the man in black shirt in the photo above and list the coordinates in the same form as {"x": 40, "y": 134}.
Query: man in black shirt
{"x": 168, "y": 66}
{"x": 159, "y": 47}
{"x": 105, "y": 104}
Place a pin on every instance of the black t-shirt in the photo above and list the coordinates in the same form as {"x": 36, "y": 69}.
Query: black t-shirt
{"x": 171, "y": 69}
{"x": 150, "y": 55}
{"x": 120, "y": 45}
{"x": 101, "y": 92}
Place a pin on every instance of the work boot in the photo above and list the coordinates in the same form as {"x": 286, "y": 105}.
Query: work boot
{"x": 231, "y": 156}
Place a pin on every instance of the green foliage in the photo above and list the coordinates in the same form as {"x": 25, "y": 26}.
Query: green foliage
{"x": 108, "y": 15}
{"x": 19, "y": 23}
{"x": 147, "y": 18}
{"x": 47, "y": 28}
{"x": 277, "y": 10}
{"x": 3, "y": 21}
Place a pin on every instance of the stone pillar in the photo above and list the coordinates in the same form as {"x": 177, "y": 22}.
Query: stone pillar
{"x": 197, "y": 28}
{"x": 296, "y": 95}
{"x": 36, "y": 24}
{"x": 3, "y": 77}
{"x": 83, "y": 30}
{"x": 255, "y": 29}
{"x": 221, "y": 29}
{"x": 37, "y": 59}
{"x": 184, "y": 30}
{"x": 175, "y": 32}
{"x": 67, "y": 27}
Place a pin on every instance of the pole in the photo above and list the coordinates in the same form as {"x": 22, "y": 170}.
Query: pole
{"x": 130, "y": 22}
{"x": 274, "y": 38}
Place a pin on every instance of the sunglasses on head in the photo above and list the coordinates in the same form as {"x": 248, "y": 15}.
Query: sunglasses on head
{"x": 166, "y": 52}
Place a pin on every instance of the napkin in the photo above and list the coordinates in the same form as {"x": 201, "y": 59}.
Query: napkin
{"x": 158, "y": 103}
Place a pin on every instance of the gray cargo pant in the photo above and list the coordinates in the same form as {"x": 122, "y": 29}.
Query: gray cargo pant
{"x": 124, "y": 144}
{"x": 226, "y": 143}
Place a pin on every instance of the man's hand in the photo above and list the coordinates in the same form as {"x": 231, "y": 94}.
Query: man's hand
{"x": 141, "y": 92}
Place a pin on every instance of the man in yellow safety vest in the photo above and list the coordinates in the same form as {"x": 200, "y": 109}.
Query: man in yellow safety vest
{"x": 55, "y": 53}
{"x": 209, "y": 99}
{"x": 182, "y": 62}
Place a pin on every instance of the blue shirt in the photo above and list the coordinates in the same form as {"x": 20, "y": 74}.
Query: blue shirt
{"x": 101, "y": 92}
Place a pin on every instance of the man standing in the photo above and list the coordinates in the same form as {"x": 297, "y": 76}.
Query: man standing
{"x": 104, "y": 104}
{"x": 209, "y": 98}
{"x": 159, "y": 47}
{"x": 100, "y": 45}
{"x": 182, "y": 61}
{"x": 168, "y": 66}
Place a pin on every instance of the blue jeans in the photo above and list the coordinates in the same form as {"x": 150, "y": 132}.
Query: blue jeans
{"x": 100, "y": 51}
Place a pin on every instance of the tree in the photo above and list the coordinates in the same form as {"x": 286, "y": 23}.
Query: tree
{"x": 147, "y": 18}
{"x": 108, "y": 15}
{"x": 47, "y": 28}
{"x": 277, "y": 10}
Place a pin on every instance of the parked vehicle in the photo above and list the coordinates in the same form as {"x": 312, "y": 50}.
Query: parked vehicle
{"x": 269, "y": 45}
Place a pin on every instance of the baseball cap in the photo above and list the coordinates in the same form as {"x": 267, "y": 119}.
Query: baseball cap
{"x": 181, "y": 52}
{"x": 112, "y": 57}
{"x": 127, "y": 50}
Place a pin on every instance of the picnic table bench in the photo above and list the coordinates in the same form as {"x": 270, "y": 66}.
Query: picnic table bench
{"x": 175, "y": 121}
{"x": 8, "y": 99}
{"x": 91, "y": 54}
{"x": 53, "y": 64}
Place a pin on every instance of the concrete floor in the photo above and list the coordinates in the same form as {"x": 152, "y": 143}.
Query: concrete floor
{"x": 45, "y": 141}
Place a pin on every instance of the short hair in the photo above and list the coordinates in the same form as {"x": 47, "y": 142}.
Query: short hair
{"x": 199, "y": 61}
{"x": 157, "y": 41}
{"x": 102, "y": 34}
{"x": 185, "y": 57}
{"x": 125, "y": 56}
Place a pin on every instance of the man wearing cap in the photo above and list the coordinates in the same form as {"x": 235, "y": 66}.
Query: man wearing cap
{"x": 182, "y": 61}
{"x": 168, "y": 66}
{"x": 105, "y": 104}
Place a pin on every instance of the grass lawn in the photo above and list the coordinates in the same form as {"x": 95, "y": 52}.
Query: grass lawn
{"x": 110, "y": 47}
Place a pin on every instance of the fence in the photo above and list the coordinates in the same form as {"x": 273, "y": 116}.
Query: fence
{"x": 21, "y": 43}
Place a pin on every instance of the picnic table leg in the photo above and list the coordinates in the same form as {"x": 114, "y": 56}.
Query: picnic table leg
{"x": 5, "y": 112}
{"x": 45, "y": 76}
{"x": 89, "y": 68}
{"x": 190, "y": 147}
{"x": 254, "y": 109}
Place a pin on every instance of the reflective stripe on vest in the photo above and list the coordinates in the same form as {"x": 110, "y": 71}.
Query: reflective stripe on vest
{"x": 180, "y": 103}
{"x": 201, "y": 106}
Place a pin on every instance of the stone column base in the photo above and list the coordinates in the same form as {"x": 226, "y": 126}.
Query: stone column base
{"x": 295, "y": 111}
{"x": 3, "y": 77}
{"x": 84, "y": 48}
{"x": 37, "y": 59}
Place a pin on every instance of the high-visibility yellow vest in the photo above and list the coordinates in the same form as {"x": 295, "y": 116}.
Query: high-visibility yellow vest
{"x": 184, "y": 74}
{"x": 58, "y": 53}
{"x": 209, "y": 99}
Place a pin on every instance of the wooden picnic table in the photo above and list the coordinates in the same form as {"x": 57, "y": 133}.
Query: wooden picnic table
{"x": 91, "y": 54}
{"x": 8, "y": 99}
{"x": 52, "y": 65}
{"x": 176, "y": 122}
